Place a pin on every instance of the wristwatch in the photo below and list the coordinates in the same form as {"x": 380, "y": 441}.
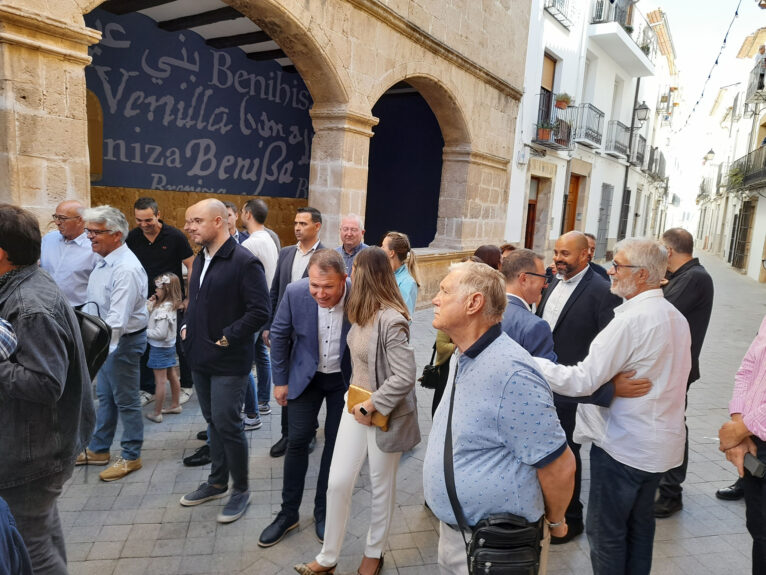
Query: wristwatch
{"x": 363, "y": 411}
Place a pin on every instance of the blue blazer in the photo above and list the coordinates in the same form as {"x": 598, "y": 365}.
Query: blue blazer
{"x": 294, "y": 340}
{"x": 529, "y": 331}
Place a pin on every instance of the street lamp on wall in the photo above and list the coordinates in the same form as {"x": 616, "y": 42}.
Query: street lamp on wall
{"x": 710, "y": 155}
{"x": 641, "y": 113}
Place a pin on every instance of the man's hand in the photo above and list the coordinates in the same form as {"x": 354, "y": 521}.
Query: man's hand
{"x": 626, "y": 387}
{"x": 732, "y": 433}
{"x": 183, "y": 334}
{"x": 265, "y": 336}
{"x": 280, "y": 394}
{"x": 737, "y": 453}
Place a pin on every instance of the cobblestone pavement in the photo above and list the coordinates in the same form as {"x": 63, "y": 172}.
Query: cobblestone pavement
{"x": 137, "y": 525}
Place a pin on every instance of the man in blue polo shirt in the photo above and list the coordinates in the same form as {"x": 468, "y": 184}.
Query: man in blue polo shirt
{"x": 509, "y": 451}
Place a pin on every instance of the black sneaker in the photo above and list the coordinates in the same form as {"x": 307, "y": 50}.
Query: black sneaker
{"x": 202, "y": 435}
{"x": 275, "y": 532}
{"x": 665, "y": 507}
{"x": 199, "y": 457}
{"x": 279, "y": 448}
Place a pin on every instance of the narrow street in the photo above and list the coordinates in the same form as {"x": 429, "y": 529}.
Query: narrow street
{"x": 137, "y": 525}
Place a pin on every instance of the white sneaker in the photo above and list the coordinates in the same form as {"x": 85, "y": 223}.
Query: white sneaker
{"x": 145, "y": 397}
{"x": 186, "y": 393}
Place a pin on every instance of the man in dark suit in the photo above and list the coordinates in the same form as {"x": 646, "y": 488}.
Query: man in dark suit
{"x": 576, "y": 305}
{"x": 690, "y": 289}
{"x": 307, "y": 370}
{"x": 233, "y": 212}
{"x": 292, "y": 265}
{"x": 591, "y": 251}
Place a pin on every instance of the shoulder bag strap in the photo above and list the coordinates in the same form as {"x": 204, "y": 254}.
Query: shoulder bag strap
{"x": 433, "y": 355}
{"x": 449, "y": 470}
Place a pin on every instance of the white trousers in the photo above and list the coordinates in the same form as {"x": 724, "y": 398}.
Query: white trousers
{"x": 452, "y": 554}
{"x": 354, "y": 444}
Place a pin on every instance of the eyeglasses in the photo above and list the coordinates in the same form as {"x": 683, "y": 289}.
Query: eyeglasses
{"x": 58, "y": 218}
{"x": 97, "y": 232}
{"x": 546, "y": 277}
{"x": 617, "y": 266}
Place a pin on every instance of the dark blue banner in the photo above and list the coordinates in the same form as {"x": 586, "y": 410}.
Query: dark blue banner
{"x": 179, "y": 115}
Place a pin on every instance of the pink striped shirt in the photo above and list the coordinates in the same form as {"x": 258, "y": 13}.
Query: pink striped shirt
{"x": 749, "y": 396}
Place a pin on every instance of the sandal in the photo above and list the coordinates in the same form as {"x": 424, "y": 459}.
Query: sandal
{"x": 378, "y": 569}
{"x": 304, "y": 569}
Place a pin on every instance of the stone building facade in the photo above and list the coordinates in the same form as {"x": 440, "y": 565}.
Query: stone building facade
{"x": 465, "y": 57}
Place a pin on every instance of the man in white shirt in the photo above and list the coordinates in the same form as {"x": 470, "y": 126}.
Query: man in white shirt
{"x": 634, "y": 440}
{"x": 66, "y": 253}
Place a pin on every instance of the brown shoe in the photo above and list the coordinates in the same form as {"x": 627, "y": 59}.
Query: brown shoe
{"x": 88, "y": 457}
{"x": 120, "y": 469}
{"x": 305, "y": 569}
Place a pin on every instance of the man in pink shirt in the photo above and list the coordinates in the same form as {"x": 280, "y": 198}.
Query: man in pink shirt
{"x": 746, "y": 433}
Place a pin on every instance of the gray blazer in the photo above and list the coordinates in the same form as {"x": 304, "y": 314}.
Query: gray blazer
{"x": 391, "y": 363}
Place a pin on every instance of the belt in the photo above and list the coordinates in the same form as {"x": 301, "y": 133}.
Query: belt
{"x": 142, "y": 330}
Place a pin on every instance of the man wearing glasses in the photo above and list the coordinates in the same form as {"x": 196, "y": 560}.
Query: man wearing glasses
{"x": 117, "y": 289}
{"x": 635, "y": 440}
{"x": 66, "y": 253}
{"x": 351, "y": 236}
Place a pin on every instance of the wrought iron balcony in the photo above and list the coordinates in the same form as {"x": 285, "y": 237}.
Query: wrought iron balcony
{"x": 554, "y": 125}
{"x": 617, "y": 139}
{"x": 755, "y": 85}
{"x": 560, "y": 10}
{"x": 638, "y": 150}
{"x": 589, "y": 127}
{"x": 751, "y": 169}
{"x": 625, "y": 35}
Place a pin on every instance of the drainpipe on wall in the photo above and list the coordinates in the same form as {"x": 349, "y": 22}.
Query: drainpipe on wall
{"x": 621, "y": 233}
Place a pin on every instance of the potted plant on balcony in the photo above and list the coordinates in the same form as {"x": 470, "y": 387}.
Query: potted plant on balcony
{"x": 646, "y": 48}
{"x": 736, "y": 177}
{"x": 563, "y": 100}
{"x": 628, "y": 28}
{"x": 544, "y": 130}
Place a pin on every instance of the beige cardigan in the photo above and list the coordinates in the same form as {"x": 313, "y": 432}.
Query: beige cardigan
{"x": 391, "y": 362}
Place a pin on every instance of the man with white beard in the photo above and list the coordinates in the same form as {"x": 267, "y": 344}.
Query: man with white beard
{"x": 634, "y": 440}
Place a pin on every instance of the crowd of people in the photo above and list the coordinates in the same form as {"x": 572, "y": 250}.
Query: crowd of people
{"x": 529, "y": 362}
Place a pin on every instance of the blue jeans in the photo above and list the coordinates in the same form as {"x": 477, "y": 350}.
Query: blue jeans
{"x": 620, "y": 522}
{"x": 262, "y": 369}
{"x": 117, "y": 390}
{"x": 304, "y": 410}
{"x": 755, "y": 510}
{"x": 220, "y": 399}
{"x": 34, "y": 507}
{"x": 250, "y": 405}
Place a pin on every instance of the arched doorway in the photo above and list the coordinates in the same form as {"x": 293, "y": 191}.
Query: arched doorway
{"x": 405, "y": 167}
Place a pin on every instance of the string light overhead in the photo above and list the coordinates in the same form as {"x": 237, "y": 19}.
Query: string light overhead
{"x": 717, "y": 58}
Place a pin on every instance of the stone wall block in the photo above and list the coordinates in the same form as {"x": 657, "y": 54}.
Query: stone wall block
{"x": 27, "y": 96}
{"x": 31, "y": 172}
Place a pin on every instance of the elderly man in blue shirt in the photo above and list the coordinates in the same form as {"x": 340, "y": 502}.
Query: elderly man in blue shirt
{"x": 509, "y": 451}
{"x": 117, "y": 291}
{"x": 351, "y": 239}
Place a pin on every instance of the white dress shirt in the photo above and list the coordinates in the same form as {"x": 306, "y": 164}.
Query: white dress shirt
{"x": 560, "y": 296}
{"x": 263, "y": 247}
{"x": 300, "y": 261}
{"x": 329, "y": 326}
{"x": 69, "y": 262}
{"x": 648, "y": 334}
{"x": 118, "y": 286}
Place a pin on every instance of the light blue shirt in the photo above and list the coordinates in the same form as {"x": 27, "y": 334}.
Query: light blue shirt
{"x": 408, "y": 287}
{"x": 348, "y": 258}
{"x": 69, "y": 262}
{"x": 504, "y": 427}
{"x": 118, "y": 286}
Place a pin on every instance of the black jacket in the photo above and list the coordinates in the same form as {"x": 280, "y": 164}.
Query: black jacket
{"x": 690, "y": 290}
{"x": 233, "y": 301}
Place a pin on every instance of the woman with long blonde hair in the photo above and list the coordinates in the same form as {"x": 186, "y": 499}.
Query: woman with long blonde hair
{"x": 383, "y": 363}
{"x": 403, "y": 262}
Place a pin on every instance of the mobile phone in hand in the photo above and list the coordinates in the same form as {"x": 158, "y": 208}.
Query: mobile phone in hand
{"x": 755, "y": 466}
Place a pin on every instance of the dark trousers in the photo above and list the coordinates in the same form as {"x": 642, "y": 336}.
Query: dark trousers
{"x": 568, "y": 417}
{"x": 304, "y": 410}
{"x": 220, "y": 399}
{"x": 671, "y": 480}
{"x": 185, "y": 376}
{"x": 755, "y": 512}
{"x": 620, "y": 524}
{"x": 33, "y": 505}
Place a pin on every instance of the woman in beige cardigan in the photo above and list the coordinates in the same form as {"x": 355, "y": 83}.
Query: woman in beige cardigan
{"x": 384, "y": 363}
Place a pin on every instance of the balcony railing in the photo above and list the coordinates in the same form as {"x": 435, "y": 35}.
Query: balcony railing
{"x": 617, "y": 138}
{"x": 653, "y": 157}
{"x": 638, "y": 150}
{"x": 589, "y": 128}
{"x": 755, "y": 84}
{"x": 554, "y": 125}
{"x": 632, "y": 21}
{"x": 661, "y": 166}
{"x": 751, "y": 167}
{"x": 560, "y": 10}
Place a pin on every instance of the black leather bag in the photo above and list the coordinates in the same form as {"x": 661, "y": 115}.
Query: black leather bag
{"x": 430, "y": 377}
{"x": 501, "y": 544}
{"x": 96, "y": 337}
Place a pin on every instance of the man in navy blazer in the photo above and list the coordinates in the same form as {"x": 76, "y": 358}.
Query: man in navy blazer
{"x": 577, "y": 305}
{"x": 310, "y": 364}
{"x": 292, "y": 265}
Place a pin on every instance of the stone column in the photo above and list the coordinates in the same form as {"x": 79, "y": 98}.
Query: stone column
{"x": 472, "y": 201}
{"x": 43, "y": 124}
{"x": 339, "y": 165}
